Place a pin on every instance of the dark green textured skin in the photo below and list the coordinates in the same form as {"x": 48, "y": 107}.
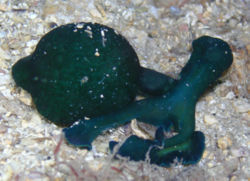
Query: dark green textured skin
{"x": 176, "y": 107}
{"x": 79, "y": 70}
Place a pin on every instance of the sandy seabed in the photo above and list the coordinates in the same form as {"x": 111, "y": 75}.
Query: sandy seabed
{"x": 161, "y": 31}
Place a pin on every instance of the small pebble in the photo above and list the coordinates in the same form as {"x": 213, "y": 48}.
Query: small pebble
{"x": 230, "y": 95}
{"x": 137, "y": 2}
{"x": 210, "y": 164}
{"x": 3, "y": 129}
{"x": 138, "y": 131}
{"x": 25, "y": 123}
{"x": 8, "y": 173}
{"x": 50, "y": 9}
{"x": 224, "y": 142}
{"x": 35, "y": 119}
{"x": 95, "y": 14}
{"x": 3, "y": 7}
{"x": 210, "y": 120}
{"x": 25, "y": 98}
{"x": 205, "y": 154}
{"x": 239, "y": 152}
{"x": 241, "y": 107}
{"x": 4, "y": 55}
{"x": 233, "y": 178}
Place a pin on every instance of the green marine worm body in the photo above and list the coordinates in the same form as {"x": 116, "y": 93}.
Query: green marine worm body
{"x": 89, "y": 70}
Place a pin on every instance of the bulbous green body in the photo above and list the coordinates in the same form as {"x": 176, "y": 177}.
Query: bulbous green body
{"x": 79, "y": 70}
